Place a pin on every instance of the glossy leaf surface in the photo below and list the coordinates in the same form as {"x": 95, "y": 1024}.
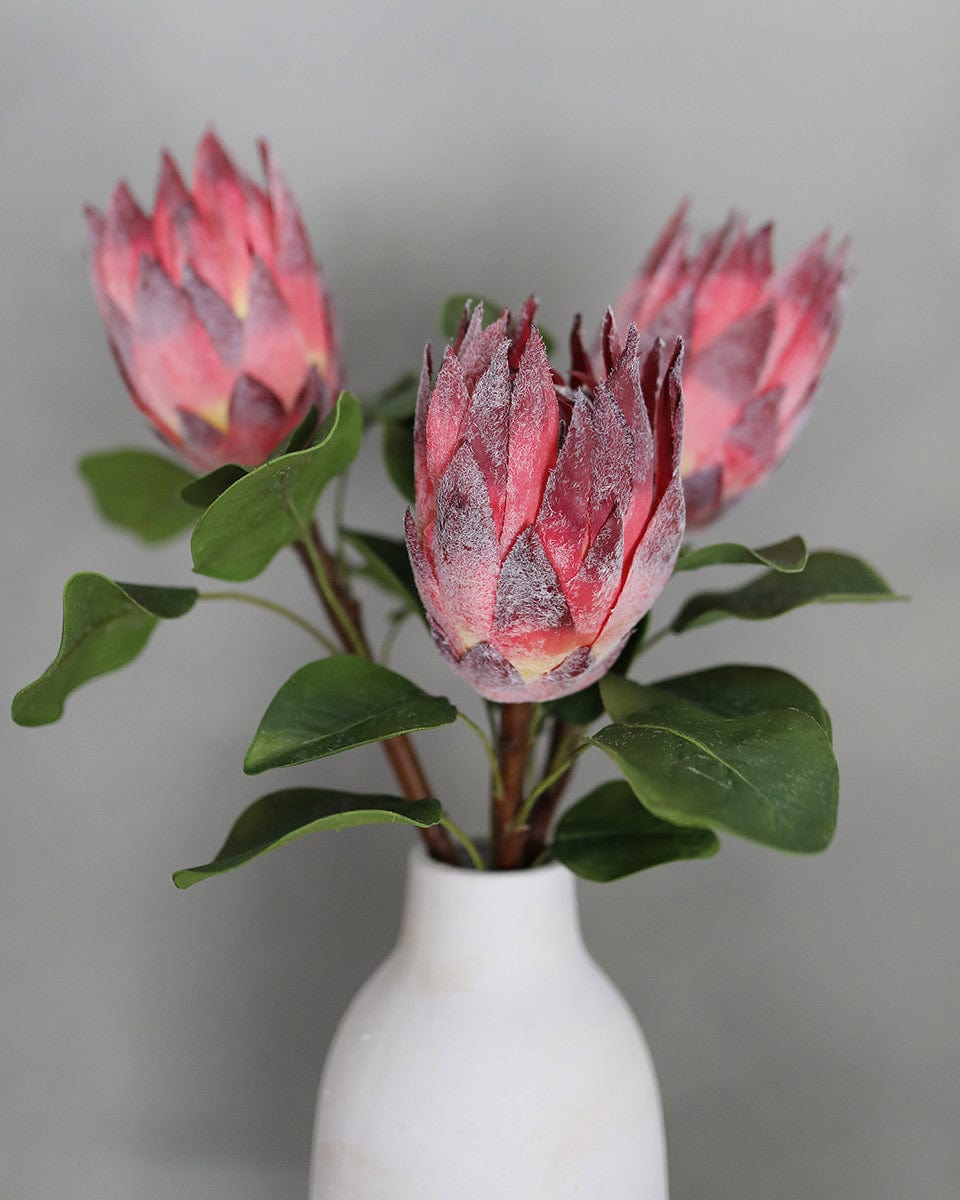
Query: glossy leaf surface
{"x": 139, "y": 491}
{"x": 273, "y": 505}
{"x": 282, "y": 817}
{"x": 336, "y": 704}
{"x": 387, "y": 563}
{"x": 788, "y": 556}
{"x": 736, "y": 690}
{"x": 828, "y": 578}
{"x": 105, "y": 626}
{"x": 609, "y": 834}
{"x": 769, "y": 776}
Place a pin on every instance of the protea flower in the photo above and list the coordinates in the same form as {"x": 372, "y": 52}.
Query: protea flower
{"x": 755, "y": 343}
{"x": 214, "y": 308}
{"x": 548, "y": 518}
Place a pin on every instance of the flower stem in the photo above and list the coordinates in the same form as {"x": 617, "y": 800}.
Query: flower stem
{"x": 344, "y": 613}
{"x": 565, "y": 746}
{"x": 279, "y": 609}
{"x": 509, "y": 843}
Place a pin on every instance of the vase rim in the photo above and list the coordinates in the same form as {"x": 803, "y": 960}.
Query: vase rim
{"x": 421, "y": 861}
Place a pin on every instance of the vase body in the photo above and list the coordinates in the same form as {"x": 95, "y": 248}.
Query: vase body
{"x": 489, "y": 1057}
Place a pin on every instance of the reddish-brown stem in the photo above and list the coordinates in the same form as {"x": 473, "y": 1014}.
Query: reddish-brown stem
{"x": 399, "y": 750}
{"x": 562, "y": 744}
{"x": 514, "y": 748}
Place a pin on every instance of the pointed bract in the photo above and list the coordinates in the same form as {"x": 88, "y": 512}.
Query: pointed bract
{"x": 750, "y": 334}
{"x": 548, "y": 516}
{"x": 215, "y": 310}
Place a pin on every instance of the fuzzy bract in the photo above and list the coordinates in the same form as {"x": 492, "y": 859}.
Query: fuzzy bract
{"x": 215, "y": 310}
{"x": 548, "y": 517}
{"x": 756, "y": 341}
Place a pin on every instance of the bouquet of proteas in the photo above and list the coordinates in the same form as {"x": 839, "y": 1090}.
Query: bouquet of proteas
{"x": 548, "y": 515}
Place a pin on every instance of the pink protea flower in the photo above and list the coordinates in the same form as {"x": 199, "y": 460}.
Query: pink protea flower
{"x": 214, "y": 308}
{"x": 755, "y": 343}
{"x": 548, "y": 518}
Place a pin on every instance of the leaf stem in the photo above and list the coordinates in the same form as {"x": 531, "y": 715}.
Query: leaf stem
{"x": 323, "y": 574}
{"x": 654, "y": 638}
{"x": 555, "y": 774}
{"x": 495, "y": 774}
{"x": 339, "y": 507}
{"x": 271, "y": 606}
{"x": 476, "y": 858}
{"x": 565, "y": 745}
{"x": 344, "y": 614}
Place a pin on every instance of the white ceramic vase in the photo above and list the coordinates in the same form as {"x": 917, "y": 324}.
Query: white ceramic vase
{"x": 489, "y": 1057}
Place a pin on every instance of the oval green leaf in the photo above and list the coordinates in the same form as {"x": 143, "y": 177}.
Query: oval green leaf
{"x": 273, "y": 505}
{"x": 788, "y": 556}
{"x": 398, "y": 457}
{"x": 770, "y": 777}
{"x": 451, "y": 314}
{"x": 336, "y": 704}
{"x": 105, "y": 626}
{"x": 282, "y": 817}
{"x": 736, "y": 690}
{"x": 386, "y": 563}
{"x": 301, "y": 437}
{"x": 451, "y": 311}
{"x": 397, "y": 402}
{"x": 139, "y": 491}
{"x": 609, "y": 834}
{"x": 203, "y": 491}
{"x": 828, "y": 578}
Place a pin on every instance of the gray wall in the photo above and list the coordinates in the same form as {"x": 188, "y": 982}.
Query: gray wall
{"x": 802, "y": 1012}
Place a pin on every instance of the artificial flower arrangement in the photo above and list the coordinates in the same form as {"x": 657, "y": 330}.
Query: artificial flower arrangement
{"x": 548, "y": 514}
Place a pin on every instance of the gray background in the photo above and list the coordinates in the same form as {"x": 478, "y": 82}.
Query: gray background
{"x": 802, "y": 1013}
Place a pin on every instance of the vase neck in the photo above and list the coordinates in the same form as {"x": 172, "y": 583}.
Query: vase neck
{"x": 503, "y": 923}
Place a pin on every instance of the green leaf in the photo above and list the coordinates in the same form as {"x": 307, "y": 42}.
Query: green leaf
{"x": 282, "y": 817}
{"x": 398, "y": 456}
{"x": 585, "y": 707}
{"x": 768, "y": 776}
{"x": 140, "y": 492}
{"x": 255, "y": 517}
{"x": 203, "y": 491}
{"x": 736, "y": 690}
{"x": 105, "y": 626}
{"x": 386, "y": 562}
{"x": 302, "y": 436}
{"x": 829, "y": 577}
{"x": 788, "y": 556}
{"x": 451, "y": 313}
{"x": 398, "y": 401}
{"x": 165, "y": 602}
{"x": 609, "y": 834}
{"x": 338, "y": 703}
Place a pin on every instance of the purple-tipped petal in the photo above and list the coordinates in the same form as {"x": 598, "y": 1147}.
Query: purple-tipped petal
{"x": 748, "y": 332}
{"x": 465, "y": 551}
{"x": 194, "y": 299}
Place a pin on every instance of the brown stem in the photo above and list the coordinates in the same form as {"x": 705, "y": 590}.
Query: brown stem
{"x": 508, "y": 844}
{"x": 562, "y": 744}
{"x": 399, "y": 750}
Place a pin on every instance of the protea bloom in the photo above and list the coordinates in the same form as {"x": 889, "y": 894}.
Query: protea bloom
{"x": 548, "y": 518}
{"x": 755, "y": 343}
{"x": 214, "y": 308}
